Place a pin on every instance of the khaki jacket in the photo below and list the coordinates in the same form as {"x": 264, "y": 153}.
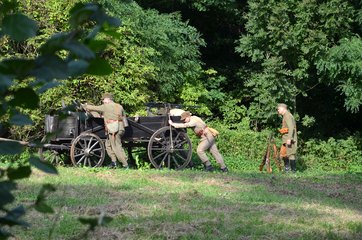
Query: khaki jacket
{"x": 195, "y": 123}
{"x": 110, "y": 111}
{"x": 289, "y": 122}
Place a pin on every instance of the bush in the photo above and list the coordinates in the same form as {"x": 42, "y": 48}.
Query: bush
{"x": 333, "y": 154}
{"x": 243, "y": 149}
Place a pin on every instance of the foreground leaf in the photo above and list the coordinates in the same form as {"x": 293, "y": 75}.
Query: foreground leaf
{"x": 40, "y": 204}
{"x": 19, "y": 27}
{"x": 25, "y": 98}
{"x": 5, "y": 192}
{"x": 21, "y": 120}
{"x": 94, "y": 222}
{"x": 19, "y": 173}
{"x": 12, "y": 217}
{"x": 10, "y": 148}
{"x": 43, "y": 166}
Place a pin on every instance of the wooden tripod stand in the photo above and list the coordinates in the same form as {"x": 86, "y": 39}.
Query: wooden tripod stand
{"x": 267, "y": 156}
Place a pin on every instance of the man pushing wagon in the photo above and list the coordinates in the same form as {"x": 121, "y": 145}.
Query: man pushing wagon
{"x": 207, "y": 140}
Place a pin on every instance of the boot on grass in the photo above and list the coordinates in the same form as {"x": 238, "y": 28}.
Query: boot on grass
{"x": 286, "y": 165}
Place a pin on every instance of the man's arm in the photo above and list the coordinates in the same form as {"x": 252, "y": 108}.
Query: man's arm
{"x": 192, "y": 123}
{"x": 99, "y": 108}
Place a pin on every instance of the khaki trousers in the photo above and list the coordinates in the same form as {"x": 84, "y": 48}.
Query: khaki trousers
{"x": 114, "y": 148}
{"x": 207, "y": 142}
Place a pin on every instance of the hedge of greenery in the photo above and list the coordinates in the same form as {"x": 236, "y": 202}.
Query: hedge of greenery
{"x": 243, "y": 149}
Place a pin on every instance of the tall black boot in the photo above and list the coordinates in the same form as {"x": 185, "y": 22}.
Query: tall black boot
{"x": 286, "y": 165}
{"x": 208, "y": 167}
{"x": 293, "y": 165}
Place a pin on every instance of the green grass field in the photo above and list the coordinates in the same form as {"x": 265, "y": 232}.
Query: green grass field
{"x": 195, "y": 205}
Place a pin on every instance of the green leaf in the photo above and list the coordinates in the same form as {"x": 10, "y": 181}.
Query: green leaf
{"x": 25, "y": 98}
{"x": 79, "y": 49}
{"x": 17, "y": 67}
{"x": 12, "y": 217}
{"x": 99, "y": 67}
{"x": 43, "y": 166}
{"x": 17, "y": 212}
{"x": 44, "y": 208}
{"x": 5, "y": 82}
{"x": 49, "y": 85}
{"x": 81, "y": 13}
{"x": 92, "y": 34}
{"x": 4, "y": 234}
{"x": 19, "y": 173}
{"x": 40, "y": 203}
{"x": 51, "y": 67}
{"x": 10, "y": 148}
{"x": 48, "y": 187}
{"x": 19, "y": 27}
{"x": 21, "y": 120}
{"x": 54, "y": 44}
{"x": 101, "y": 220}
{"x": 5, "y": 190}
{"x": 7, "y": 6}
{"x": 77, "y": 67}
{"x": 92, "y": 222}
{"x": 113, "y": 21}
{"x": 112, "y": 33}
{"x": 98, "y": 45}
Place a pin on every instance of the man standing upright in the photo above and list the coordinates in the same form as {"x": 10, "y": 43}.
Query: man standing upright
{"x": 289, "y": 146}
{"x": 113, "y": 115}
{"x": 207, "y": 140}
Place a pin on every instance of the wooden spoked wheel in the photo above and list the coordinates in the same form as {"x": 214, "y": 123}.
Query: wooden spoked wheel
{"x": 57, "y": 157}
{"x": 169, "y": 148}
{"x": 87, "y": 150}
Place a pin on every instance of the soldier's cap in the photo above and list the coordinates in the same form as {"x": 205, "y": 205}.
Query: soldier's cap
{"x": 282, "y": 105}
{"x": 107, "y": 95}
{"x": 185, "y": 114}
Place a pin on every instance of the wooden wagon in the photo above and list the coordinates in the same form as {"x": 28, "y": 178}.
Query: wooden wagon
{"x": 81, "y": 138}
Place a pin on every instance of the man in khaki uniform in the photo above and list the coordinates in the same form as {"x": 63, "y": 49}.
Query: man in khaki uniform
{"x": 289, "y": 146}
{"x": 207, "y": 140}
{"x": 112, "y": 113}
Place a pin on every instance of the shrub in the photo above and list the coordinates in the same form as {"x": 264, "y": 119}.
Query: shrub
{"x": 243, "y": 149}
{"x": 333, "y": 154}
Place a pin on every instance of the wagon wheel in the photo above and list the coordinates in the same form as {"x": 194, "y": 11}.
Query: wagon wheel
{"x": 164, "y": 153}
{"x": 53, "y": 156}
{"x": 87, "y": 150}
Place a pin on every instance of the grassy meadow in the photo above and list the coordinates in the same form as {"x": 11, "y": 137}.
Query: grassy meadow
{"x": 193, "y": 204}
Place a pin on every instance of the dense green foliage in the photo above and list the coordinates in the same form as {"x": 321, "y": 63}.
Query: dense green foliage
{"x": 255, "y": 54}
{"x": 285, "y": 40}
{"x": 155, "y": 57}
{"x": 244, "y": 149}
{"x": 258, "y": 53}
{"x": 304, "y": 53}
{"x": 342, "y": 66}
{"x": 292, "y": 51}
{"x": 24, "y": 77}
